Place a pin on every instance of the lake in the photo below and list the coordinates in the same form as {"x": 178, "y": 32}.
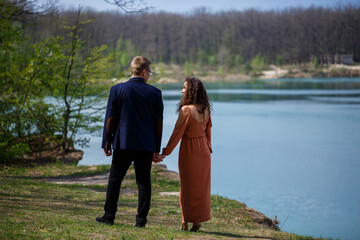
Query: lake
{"x": 285, "y": 147}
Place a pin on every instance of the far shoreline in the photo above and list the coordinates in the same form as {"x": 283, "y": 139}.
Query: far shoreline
{"x": 270, "y": 72}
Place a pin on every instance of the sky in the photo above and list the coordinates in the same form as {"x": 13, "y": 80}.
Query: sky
{"x": 186, "y": 6}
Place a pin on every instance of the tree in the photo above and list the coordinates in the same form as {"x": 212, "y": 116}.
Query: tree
{"x": 29, "y": 73}
{"x": 130, "y": 6}
{"x": 72, "y": 84}
{"x": 296, "y": 33}
{"x": 257, "y": 64}
{"x": 23, "y": 112}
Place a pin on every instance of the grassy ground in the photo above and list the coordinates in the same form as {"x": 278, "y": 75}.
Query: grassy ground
{"x": 34, "y": 209}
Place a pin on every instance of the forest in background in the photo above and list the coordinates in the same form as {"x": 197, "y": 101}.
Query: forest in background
{"x": 229, "y": 39}
{"x": 57, "y": 64}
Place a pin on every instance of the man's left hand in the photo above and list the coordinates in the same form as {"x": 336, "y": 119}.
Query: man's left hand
{"x": 107, "y": 152}
{"x": 156, "y": 158}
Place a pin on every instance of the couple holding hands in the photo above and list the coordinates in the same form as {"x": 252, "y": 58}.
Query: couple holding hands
{"x": 133, "y": 129}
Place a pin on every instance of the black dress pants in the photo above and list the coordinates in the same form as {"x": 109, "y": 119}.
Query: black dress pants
{"x": 122, "y": 159}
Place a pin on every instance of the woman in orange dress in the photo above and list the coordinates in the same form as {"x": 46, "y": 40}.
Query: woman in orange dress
{"x": 193, "y": 127}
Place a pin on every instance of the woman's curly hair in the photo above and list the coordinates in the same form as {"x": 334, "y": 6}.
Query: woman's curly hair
{"x": 196, "y": 95}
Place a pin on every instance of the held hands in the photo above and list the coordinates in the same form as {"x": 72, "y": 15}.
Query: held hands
{"x": 162, "y": 156}
{"x": 158, "y": 157}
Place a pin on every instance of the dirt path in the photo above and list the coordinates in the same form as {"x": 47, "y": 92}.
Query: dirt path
{"x": 102, "y": 179}
{"x": 88, "y": 180}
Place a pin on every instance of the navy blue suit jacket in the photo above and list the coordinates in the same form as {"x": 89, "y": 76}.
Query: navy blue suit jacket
{"x": 133, "y": 117}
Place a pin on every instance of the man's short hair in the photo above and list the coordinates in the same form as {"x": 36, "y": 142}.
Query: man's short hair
{"x": 138, "y": 64}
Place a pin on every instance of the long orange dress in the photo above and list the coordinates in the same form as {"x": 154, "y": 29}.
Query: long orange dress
{"x": 194, "y": 165}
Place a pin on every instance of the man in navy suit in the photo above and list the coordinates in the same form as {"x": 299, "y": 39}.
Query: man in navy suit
{"x": 133, "y": 128}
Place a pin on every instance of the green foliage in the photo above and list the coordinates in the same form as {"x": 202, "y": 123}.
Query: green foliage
{"x": 49, "y": 88}
{"x": 224, "y": 56}
{"x": 279, "y": 60}
{"x": 188, "y": 69}
{"x": 11, "y": 32}
{"x": 220, "y": 71}
{"x": 9, "y": 148}
{"x": 212, "y": 60}
{"x": 202, "y": 58}
{"x": 239, "y": 59}
{"x": 74, "y": 97}
{"x": 315, "y": 62}
{"x": 23, "y": 111}
{"x": 120, "y": 58}
{"x": 159, "y": 70}
{"x": 257, "y": 64}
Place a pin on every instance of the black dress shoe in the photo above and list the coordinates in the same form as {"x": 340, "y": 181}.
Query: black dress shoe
{"x": 104, "y": 220}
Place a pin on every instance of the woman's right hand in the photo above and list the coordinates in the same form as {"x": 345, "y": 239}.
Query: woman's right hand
{"x": 162, "y": 156}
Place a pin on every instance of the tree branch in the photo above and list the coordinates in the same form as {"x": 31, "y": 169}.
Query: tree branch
{"x": 130, "y": 6}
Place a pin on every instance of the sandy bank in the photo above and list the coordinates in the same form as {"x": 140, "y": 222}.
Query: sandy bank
{"x": 273, "y": 72}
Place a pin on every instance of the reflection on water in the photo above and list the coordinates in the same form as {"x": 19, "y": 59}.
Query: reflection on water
{"x": 286, "y": 147}
{"x": 277, "y": 89}
{"x": 283, "y": 83}
{"x": 231, "y": 95}
{"x": 335, "y": 90}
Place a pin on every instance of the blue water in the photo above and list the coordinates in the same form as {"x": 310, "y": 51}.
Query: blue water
{"x": 289, "y": 148}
